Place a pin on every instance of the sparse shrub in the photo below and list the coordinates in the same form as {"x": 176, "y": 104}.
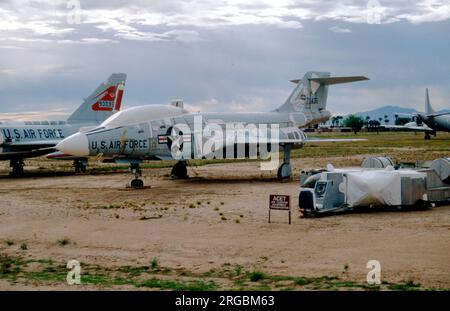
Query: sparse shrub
{"x": 238, "y": 270}
{"x": 63, "y": 242}
{"x": 9, "y": 242}
{"x": 154, "y": 263}
{"x": 302, "y": 281}
{"x": 256, "y": 276}
{"x": 5, "y": 264}
{"x": 24, "y": 246}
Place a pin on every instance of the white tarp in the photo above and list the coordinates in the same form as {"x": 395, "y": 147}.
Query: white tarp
{"x": 373, "y": 186}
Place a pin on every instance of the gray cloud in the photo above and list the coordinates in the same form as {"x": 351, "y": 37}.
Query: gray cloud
{"x": 338, "y": 29}
{"x": 221, "y": 55}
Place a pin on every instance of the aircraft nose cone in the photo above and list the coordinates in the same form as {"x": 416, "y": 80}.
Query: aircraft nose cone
{"x": 75, "y": 145}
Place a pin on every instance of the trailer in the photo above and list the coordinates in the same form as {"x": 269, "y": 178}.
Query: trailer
{"x": 341, "y": 190}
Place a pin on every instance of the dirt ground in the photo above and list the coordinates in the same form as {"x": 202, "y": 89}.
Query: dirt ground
{"x": 218, "y": 216}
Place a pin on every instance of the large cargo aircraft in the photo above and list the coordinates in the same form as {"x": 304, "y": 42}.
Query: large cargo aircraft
{"x": 428, "y": 122}
{"x": 28, "y": 139}
{"x": 435, "y": 121}
{"x": 161, "y": 132}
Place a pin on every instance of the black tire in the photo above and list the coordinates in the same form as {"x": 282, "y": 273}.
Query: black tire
{"x": 179, "y": 170}
{"x": 280, "y": 173}
{"x": 306, "y": 202}
{"x": 17, "y": 170}
{"x": 137, "y": 184}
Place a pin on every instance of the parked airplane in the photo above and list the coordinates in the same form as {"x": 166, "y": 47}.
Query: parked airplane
{"x": 139, "y": 133}
{"x": 428, "y": 122}
{"x": 28, "y": 139}
{"x": 436, "y": 121}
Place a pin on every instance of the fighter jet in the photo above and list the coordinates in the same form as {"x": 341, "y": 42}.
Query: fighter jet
{"x": 28, "y": 139}
{"x": 428, "y": 122}
{"x": 160, "y": 133}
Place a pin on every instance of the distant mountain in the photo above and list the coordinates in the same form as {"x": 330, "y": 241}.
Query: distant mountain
{"x": 390, "y": 112}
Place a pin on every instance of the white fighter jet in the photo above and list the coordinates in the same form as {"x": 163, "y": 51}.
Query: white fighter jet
{"x": 158, "y": 132}
{"x": 28, "y": 139}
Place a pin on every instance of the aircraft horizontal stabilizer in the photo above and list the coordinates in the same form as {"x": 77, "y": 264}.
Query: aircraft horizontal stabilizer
{"x": 337, "y": 80}
{"x": 334, "y": 80}
{"x": 438, "y": 114}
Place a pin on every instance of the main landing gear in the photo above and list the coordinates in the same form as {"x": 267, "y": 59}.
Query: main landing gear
{"x": 17, "y": 167}
{"x": 80, "y": 166}
{"x": 179, "y": 170}
{"x": 285, "y": 170}
{"x": 427, "y": 136}
{"x": 136, "y": 183}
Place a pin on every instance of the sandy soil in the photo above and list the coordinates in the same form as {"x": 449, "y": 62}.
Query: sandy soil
{"x": 179, "y": 222}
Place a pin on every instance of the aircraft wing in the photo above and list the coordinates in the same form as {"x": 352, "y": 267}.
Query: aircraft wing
{"x": 39, "y": 144}
{"x": 413, "y": 128}
{"x": 25, "y": 153}
{"x": 333, "y": 140}
{"x": 24, "y": 149}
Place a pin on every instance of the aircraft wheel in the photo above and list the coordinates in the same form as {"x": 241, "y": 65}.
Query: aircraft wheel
{"x": 284, "y": 171}
{"x": 306, "y": 202}
{"x": 179, "y": 170}
{"x": 80, "y": 167}
{"x": 17, "y": 167}
{"x": 427, "y": 136}
{"x": 137, "y": 184}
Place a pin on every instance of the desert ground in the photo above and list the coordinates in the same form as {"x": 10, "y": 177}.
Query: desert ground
{"x": 211, "y": 231}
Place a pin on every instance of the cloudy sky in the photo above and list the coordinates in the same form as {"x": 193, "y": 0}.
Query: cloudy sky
{"x": 221, "y": 55}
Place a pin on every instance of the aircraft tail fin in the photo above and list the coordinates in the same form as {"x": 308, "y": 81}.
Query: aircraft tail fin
{"x": 103, "y": 102}
{"x": 428, "y": 108}
{"x": 311, "y": 92}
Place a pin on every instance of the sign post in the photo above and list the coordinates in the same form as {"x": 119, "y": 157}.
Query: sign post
{"x": 281, "y": 203}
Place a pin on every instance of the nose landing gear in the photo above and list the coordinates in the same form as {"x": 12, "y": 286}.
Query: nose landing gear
{"x": 80, "y": 166}
{"x": 136, "y": 183}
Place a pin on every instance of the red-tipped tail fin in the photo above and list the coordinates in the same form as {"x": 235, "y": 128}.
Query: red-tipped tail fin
{"x": 102, "y": 103}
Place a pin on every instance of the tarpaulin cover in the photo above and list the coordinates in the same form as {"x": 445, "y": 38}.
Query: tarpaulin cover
{"x": 373, "y": 186}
